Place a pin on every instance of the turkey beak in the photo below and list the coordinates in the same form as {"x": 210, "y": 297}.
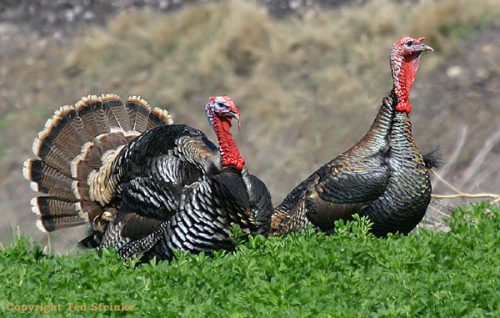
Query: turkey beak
{"x": 235, "y": 115}
{"x": 426, "y": 48}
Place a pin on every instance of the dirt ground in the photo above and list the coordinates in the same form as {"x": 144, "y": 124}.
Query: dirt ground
{"x": 458, "y": 106}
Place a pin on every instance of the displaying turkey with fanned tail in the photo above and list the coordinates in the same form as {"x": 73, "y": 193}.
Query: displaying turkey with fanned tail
{"x": 130, "y": 174}
{"x": 75, "y": 152}
{"x": 383, "y": 176}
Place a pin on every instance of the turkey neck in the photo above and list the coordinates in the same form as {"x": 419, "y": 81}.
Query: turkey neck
{"x": 230, "y": 154}
{"x": 377, "y": 138}
{"x": 404, "y": 70}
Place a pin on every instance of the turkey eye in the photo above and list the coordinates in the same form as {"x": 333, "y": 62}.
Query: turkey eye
{"x": 409, "y": 43}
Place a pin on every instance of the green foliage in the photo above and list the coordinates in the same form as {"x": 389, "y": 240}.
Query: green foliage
{"x": 359, "y": 227}
{"x": 348, "y": 274}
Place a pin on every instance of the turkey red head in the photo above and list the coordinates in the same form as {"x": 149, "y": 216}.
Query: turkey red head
{"x": 222, "y": 107}
{"x": 404, "y": 60}
{"x": 220, "y": 111}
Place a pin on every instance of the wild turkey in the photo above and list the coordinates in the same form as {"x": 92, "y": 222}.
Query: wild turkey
{"x": 383, "y": 176}
{"x": 128, "y": 172}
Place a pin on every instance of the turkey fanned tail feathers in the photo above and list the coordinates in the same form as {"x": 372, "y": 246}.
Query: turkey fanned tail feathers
{"x": 74, "y": 154}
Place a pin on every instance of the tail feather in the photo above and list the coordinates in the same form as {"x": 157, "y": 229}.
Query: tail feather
{"x": 76, "y": 152}
{"x": 433, "y": 159}
{"x": 55, "y": 213}
{"x": 61, "y": 139}
{"x": 93, "y": 116}
{"x": 90, "y": 211}
{"x": 90, "y": 157}
{"x": 144, "y": 117}
{"x": 139, "y": 110}
{"x": 101, "y": 118}
{"x": 113, "y": 140}
{"x": 50, "y": 153}
{"x": 81, "y": 166}
{"x": 48, "y": 180}
{"x": 117, "y": 114}
{"x": 159, "y": 117}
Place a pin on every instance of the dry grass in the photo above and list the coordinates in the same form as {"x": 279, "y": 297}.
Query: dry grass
{"x": 308, "y": 86}
{"x": 313, "y": 77}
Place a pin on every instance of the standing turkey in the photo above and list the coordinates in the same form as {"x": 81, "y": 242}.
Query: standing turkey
{"x": 383, "y": 176}
{"x": 139, "y": 180}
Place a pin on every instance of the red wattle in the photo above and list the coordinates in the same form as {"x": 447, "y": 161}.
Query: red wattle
{"x": 404, "y": 80}
{"x": 403, "y": 107}
{"x": 230, "y": 153}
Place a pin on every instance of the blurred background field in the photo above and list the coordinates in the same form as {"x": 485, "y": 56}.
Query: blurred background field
{"x": 307, "y": 75}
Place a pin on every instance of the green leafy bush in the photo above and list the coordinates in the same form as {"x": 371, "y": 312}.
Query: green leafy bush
{"x": 348, "y": 274}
